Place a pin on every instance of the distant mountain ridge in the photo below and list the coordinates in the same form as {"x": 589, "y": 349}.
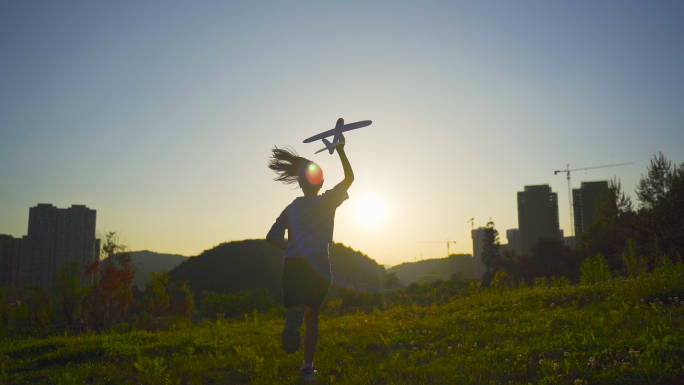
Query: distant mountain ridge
{"x": 148, "y": 261}
{"x": 255, "y": 264}
{"x": 430, "y": 270}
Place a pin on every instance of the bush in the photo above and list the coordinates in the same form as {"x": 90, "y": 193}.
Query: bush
{"x": 594, "y": 269}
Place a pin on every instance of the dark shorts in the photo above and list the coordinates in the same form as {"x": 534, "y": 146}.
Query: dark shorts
{"x": 306, "y": 280}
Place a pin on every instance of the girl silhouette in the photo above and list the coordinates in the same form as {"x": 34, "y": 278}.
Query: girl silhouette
{"x": 309, "y": 222}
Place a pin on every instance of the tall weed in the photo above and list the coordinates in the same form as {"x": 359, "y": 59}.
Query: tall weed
{"x": 635, "y": 265}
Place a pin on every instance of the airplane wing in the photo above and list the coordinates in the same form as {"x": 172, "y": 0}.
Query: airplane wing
{"x": 346, "y": 127}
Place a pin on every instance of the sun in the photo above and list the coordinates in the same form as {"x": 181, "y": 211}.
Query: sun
{"x": 370, "y": 209}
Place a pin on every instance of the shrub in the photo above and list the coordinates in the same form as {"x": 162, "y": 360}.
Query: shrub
{"x": 594, "y": 269}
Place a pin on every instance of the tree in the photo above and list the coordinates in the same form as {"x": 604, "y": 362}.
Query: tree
{"x": 613, "y": 226}
{"x": 657, "y": 228}
{"x": 491, "y": 256}
{"x": 156, "y": 299}
{"x": 112, "y": 293}
{"x": 661, "y": 209}
{"x": 549, "y": 257}
{"x": 182, "y": 299}
{"x": 162, "y": 298}
{"x": 69, "y": 291}
{"x": 657, "y": 184}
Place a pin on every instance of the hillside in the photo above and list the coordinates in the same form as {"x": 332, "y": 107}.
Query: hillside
{"x": 255, "y": 264}
{"x": 433, "y": 269}
{"x": 621, "y": 331}
{"x": 149, "y": 261}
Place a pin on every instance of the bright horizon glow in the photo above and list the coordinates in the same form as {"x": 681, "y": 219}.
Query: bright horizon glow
{"x": 370, "y": 210}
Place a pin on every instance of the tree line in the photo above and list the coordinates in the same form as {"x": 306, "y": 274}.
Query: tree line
{"x": 623, "y": 239}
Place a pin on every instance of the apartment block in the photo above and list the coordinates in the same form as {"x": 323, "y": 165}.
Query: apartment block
{"x": 537, "y": 215}
{"x": 584, "y": 204}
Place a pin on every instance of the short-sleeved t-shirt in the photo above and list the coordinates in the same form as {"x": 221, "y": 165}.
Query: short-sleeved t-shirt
{"x": 309, "y": 221}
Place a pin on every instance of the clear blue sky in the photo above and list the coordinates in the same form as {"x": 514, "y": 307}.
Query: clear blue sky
{"x": 161, "y": 115}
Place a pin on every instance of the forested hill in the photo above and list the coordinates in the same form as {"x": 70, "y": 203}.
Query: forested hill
{"x": 149, "y": 261}
{"x": 433, "y": 269}
{"x": 255, "y": 264}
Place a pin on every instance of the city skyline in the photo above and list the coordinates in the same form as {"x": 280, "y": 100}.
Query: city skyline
{"x": 582, "y": 205}
{"x": 163, "y": 119}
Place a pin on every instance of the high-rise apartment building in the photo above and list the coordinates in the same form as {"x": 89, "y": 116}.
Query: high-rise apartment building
{"x": 10, "y": 255}
{"x": 479, "y": 268}
{"x": 537, "y": 215}
{"x": 55, "y": 236}
{"x": 513, "y": 236}
{"x": 584, "y": 204}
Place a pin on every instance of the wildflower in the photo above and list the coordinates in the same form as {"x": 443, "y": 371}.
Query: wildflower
{"x": 566, "y": 354}
{"x": 592, "y": 361}
{"x": 541, "y": 362}
{"x": 556, "y": 366}
{"x": 412, "y": 343}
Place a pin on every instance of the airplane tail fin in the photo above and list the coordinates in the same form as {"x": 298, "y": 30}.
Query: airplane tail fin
{"x": 329, "y": 145}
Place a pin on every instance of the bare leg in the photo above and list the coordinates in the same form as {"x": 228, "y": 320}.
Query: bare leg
{"x": 291, "y": 337}
{"x": 311, "y": 334}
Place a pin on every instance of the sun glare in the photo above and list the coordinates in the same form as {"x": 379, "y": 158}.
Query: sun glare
{"x": 370, "y": 209}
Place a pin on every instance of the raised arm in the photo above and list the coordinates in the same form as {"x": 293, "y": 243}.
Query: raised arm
{"x": 348, "y": 172}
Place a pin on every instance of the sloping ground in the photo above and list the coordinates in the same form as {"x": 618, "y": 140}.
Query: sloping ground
{"x": 149, "y": 261}
{"x": 431, "y": 270}
{"x": 626, "y": 331}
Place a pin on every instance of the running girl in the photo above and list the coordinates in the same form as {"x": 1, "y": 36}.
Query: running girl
{"x": 309, "y": 222}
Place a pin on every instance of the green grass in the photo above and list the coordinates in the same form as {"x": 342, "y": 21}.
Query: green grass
{"x": 627, "y": 330}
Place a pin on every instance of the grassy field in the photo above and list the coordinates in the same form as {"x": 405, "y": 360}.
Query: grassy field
{"x": 626, "y": 330}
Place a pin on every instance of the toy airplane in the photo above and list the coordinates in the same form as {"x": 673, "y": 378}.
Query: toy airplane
{"x": 340, "y": 127}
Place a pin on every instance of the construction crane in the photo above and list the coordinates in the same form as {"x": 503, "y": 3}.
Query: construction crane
{"x": 472, "y": 223}
{"x": 447, "y": 244}
{"x": 567, "y": 171}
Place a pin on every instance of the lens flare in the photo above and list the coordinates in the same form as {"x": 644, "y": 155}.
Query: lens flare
{"x": 314, "y": 175}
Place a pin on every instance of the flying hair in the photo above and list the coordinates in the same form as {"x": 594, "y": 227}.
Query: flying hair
{"x": 287, "y": 164}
